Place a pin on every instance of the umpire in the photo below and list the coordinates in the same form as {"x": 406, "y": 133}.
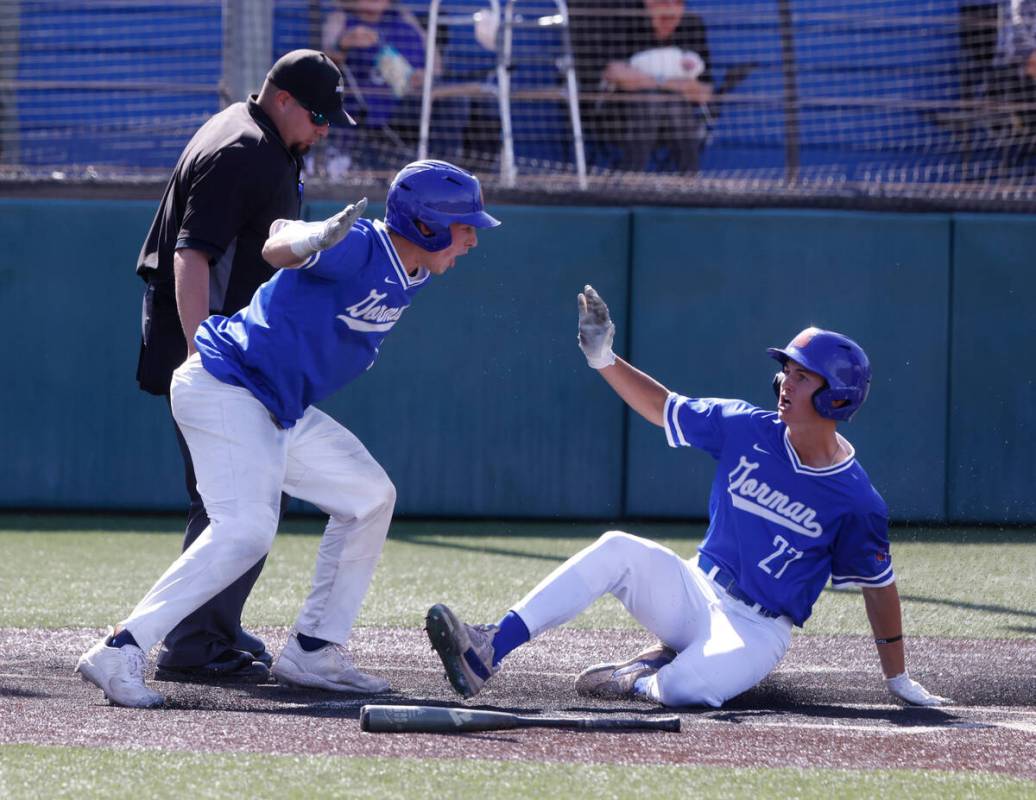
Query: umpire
{"x": 239, "y": 172}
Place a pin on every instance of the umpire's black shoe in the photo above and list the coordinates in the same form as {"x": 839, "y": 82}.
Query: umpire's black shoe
{"x": 251, "y": 643}
{"x": 234, "y": 666}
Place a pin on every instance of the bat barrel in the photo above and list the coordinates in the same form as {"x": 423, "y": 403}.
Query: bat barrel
{"x": 433, "y": 719}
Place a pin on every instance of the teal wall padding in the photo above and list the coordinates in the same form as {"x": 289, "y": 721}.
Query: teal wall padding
{"x": 992, "y": 464}
{"x": 78, "y": 433}
{"x": 712, "y": 289}
{"x": 480, "y": 402}
{"x": 482, "y": 405}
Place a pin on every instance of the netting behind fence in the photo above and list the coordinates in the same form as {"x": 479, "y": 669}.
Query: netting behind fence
{"x": 913, "y": 100}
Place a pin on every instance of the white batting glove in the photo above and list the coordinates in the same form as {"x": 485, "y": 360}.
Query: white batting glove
{"x": 319, "y": 236}
{"x": 596, "y": 329}
{"x": 907, "y": 689}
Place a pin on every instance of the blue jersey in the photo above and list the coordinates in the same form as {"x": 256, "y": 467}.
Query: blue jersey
{"x": 781, "y": 528}
{"x": 310, "y": 331}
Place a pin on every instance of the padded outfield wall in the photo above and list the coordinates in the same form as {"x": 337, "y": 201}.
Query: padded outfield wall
{"x": 481, "y": 403}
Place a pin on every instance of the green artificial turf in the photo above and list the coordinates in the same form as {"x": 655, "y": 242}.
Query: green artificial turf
{"x": 85, "y": 571}
{"x": 32, "y": 772}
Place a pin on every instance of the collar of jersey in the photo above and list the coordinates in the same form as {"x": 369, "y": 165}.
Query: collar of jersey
{"x": 834, "y": 469}
{"x": 386, "y": 241}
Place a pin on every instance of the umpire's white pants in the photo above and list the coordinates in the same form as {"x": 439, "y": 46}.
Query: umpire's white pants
{"x": 243, "y": 460}
{"x": 724, "y": 647}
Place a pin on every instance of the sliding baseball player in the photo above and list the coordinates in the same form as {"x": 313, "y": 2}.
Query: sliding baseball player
{"x": 790, "y": 510}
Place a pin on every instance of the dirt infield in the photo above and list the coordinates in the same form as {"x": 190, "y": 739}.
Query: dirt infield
{"x": 823, "y": 707}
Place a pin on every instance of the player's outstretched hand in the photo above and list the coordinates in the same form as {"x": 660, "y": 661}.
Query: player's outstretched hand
{"x": 306, "y": 238}
{"x": 337, "y": 227}
{"x": 907, "y": 689}
{"x": 596, "y": 329}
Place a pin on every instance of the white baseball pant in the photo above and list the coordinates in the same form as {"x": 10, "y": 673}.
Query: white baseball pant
{"x": 243, "y": 460}
{"x": 724, "y": 647}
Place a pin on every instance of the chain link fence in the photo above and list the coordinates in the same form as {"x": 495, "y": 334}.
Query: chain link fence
{"x": 874, "y": 103}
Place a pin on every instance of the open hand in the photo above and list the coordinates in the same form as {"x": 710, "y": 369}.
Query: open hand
{"x": 337, "y": 227}
{"x": 596, "y": 329}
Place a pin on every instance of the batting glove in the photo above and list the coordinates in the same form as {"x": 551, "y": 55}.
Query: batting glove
{"x": 319, "y": 236}
{"x": 596, "y": 329}
{"x": 907, "y": 689}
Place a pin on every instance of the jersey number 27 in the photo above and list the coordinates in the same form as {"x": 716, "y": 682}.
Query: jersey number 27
{"x": 783, "y": 549}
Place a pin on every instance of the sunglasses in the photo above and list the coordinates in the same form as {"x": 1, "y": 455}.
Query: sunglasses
{"x": 318, "y": 118}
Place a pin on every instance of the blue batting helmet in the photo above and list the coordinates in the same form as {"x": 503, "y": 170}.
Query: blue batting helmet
{"x": 842, "y": 364}
{"x": 437, "y": 194}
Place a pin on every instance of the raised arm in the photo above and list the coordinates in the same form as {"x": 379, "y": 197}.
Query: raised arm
{"x": 291, "y": 242}
{"x": 886, "y": 619}
{"x": 641, "y": 392}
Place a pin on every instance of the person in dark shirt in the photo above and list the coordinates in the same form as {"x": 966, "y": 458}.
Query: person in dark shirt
{"x": 203, "y": 255}
{"x": 644, "y": 67}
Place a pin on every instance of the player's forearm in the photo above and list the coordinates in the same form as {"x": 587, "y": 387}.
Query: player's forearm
{"x": 292, "y": 242}
{"x": 191, "y": 270}
{"x": 886, "y": 619}
{"x": 278, "y": 253}
{"x": 283, "y": 248}
{"x": 641, "y": 392}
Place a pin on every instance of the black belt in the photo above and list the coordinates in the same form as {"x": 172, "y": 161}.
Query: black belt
{"x": 727, "y": 582}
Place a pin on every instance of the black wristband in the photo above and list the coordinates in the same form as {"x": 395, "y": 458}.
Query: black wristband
{"x": 889, "y": 640}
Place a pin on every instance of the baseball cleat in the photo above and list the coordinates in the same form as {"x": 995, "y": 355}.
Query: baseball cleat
{"x": 466, "y": 650}
{"x": 617, "y": 681}
{"x": 119, "y": 673}
{"x": 327, "y": 668}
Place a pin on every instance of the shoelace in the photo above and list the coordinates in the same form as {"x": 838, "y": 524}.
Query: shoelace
{"x": 136, "y": 663}
{"x": 342, "y": 656}
{"x": 483, "y": 636}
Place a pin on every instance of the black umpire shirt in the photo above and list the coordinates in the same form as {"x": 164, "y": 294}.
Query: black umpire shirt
{"x": 233, "y": 179}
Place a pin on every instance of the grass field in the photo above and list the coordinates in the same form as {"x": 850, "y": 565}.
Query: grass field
{"x": 75, "y": 773}
{"x": 87, "y": 571}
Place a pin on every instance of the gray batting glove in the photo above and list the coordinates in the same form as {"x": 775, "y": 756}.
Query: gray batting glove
{"x": 907, "y": 689}
{"x": 325, "y": 235}
{"x": 596, "y": 329}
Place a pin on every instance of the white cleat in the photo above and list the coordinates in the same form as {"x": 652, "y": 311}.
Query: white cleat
{"x": 119, "y": 673}
{"x": 327, "y": 668}
{"x": 618, "y": 681}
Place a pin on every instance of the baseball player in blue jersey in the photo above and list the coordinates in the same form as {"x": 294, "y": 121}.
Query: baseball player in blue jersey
{"x": 790, "y": 509}
{"x": 245, "y": 403}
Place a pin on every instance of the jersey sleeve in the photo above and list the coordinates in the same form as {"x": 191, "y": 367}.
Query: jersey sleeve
{"x": 344, "y": 259}
{"x": 226, "y": 192}
{"x": 700, "y": 421}
{"x": 861, "y": 554}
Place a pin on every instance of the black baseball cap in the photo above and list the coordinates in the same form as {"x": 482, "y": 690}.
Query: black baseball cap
{"x": 313, "y": 79}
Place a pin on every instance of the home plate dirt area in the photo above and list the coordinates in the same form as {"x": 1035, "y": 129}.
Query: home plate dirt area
{"x": 824, "y": 706}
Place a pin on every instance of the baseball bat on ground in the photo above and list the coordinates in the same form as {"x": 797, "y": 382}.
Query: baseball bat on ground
{"x": 436, "y": 719}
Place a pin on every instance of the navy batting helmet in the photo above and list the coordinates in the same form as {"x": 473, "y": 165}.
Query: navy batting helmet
{"x": 437, "y": 194}
{"x": 842, "y": 364}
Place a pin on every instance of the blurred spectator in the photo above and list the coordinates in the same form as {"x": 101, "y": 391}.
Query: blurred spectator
{"x": 1015, "y": 65}
{"x": 380, "y": 47}
{"x": 650, "y": 58}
